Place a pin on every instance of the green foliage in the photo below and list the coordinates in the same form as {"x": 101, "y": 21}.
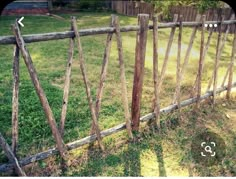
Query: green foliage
{"x": 202, "y": 5}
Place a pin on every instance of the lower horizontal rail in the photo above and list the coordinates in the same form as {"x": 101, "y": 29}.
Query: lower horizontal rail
{"x": 107, "y": 132}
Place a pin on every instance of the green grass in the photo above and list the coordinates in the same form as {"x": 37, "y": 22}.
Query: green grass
{"x": 50, "y": 61}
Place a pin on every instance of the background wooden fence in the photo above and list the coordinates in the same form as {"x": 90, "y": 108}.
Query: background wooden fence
{"x": 189, "y": 13}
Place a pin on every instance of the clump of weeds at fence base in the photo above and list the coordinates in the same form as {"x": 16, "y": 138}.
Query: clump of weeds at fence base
{"x": 50, "y": 61}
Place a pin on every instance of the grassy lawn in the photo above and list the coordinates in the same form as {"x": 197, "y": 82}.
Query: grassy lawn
{"x": 50, "y": 60}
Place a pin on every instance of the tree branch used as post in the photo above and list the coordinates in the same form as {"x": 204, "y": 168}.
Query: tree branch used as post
{"x": 155, "y": 72}
{"x": 122, "y": 77}
{"x": 39, "y": 90}
{"x": 88, "y": 91}
{"x": 218, "y": 53}
{"x": 200, "y": 66}
{"x": 67, "y": 85}
{"x": 141, "y": 40}
{"x": 15, "y": 98}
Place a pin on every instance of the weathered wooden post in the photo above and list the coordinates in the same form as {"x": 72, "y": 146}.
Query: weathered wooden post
{"x": 67, "y": 84}
{"x": 155, "y": 72}
{"x": 141, "y": 40}
{"x": 230, "y": 80}
{"x": 15, "y": 98}
{"x": 199, "y": 84}
{"x": 218, "y": 54}
{"x": 122, "y": 77}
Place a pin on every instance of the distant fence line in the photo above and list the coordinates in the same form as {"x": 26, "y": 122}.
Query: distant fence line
{"x": 189, "y": 13}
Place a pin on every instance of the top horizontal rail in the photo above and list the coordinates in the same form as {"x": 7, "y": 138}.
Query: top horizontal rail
{"x": 94, "y": 31}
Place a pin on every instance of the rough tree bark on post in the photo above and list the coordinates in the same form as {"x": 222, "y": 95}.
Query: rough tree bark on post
{"x": 141, "y": 40}
{"x": 15, "y": 98}
{"x": 39, "y": 90}
{"x": 86, "y": 82}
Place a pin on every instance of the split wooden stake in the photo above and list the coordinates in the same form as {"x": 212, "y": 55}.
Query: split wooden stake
{"x": 15, "y": 99}
{"x": 200, "y": 66}
{"x": 39, "y": 90}
{"x": 140, "y": 51}
{"x": 67, "y": 85}
{"x": 86, "y": 82}
{"x": 10, "y": 155}
{"x": 122, "y": 77}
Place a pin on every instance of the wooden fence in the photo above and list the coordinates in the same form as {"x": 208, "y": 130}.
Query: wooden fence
{"x": 132, "y": 116}
{"x": 131, "y": 8}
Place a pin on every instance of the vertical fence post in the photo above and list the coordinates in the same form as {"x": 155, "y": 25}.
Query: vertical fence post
{"x": 178, "y": 63}
{"x": 122, "y": 77}
{"x": 141, "y": 40}
{"x": 155, "y": 72}
{"x": 15, "y": 99}
{"x": 218, "y": 53}
{"x": 67, "y": 84}
{"x": 230, "y": 80}
{"x": 199, "y": 84}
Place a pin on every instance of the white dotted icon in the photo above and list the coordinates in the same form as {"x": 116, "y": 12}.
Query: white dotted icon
{"x": 215, "y": 25}
{"x": 206, "y": 25}
{"x": 210, "y": 25}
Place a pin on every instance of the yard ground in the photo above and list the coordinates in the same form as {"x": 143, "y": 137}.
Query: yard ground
{"x": 156, "y": 155}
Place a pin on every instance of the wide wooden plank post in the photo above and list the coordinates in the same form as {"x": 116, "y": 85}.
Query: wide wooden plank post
{"x": 122, "y": 77}
{"x": 155, "y": 72}
{"x": 141, "y": 40}
{"x": 10, "y": 155}
{"x": 103, "y": 74}
{"x": 230, "y": 80}
{"x": 39, "y": 90}
{"x": 86, "y": 82}
{"x": 216, "y": 66}
{"x": 67, "y": 84}
{"x": 15, "y": 98}
{"x": 177, "y": 90}
{"x": 200, "y": 66}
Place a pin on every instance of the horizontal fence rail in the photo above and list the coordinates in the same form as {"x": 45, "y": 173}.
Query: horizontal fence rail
{"x": 107, "y": 132}
{"x": 4, "y": 40}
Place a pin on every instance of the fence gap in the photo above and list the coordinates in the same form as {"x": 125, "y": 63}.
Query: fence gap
{"x": 86, "y": 82}
{"x": 39, "y": 90}
{"x": 122, "y": 77}
{"x": 67, "y": 84}
{"x": 200, "y": 66}
{"x": 141, "y": 40}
